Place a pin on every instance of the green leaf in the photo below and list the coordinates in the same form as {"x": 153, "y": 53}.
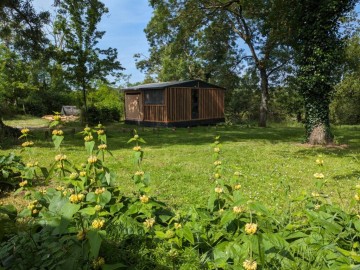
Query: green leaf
{"x": 69, "y": 209}
{"x": 116, "y": 208}
{"x": 95, "y": 240}
{"x": 57, "y": 140}
{"x": 188, "y": 234}
{"x": 89, "y": 146}
{"x": 227, "y": 217}
{"x": 104, "y": 197}
{"x": 88, "y": 211}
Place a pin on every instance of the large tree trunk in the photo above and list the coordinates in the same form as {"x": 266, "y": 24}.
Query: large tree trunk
{"x": 7, "y": 132}
{"x": 264, "y": 98}
{"x": 317, "y": 123}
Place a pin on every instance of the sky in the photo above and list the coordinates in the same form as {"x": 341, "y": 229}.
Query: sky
{"x": 124, "y": 26}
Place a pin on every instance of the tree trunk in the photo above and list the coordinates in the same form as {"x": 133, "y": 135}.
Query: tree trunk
{"x": 264, "y": 97}
{"x": 317, "y": 123}
{"x": 7, "y": 132}
{"x": 85, "y": 116}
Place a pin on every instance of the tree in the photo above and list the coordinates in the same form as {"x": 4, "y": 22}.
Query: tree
{"x": 84, "y": 63}
{"x": 20, "y": 35}
{"x": 319, "y": 50}
{"x": 182, "y": 24}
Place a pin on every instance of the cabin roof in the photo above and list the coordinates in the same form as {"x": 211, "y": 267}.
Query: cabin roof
{"x": 163, "y": 85}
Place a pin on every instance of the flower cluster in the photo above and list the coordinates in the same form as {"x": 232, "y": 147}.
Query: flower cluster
{"x": 97, "y": 263}
{"x": 219, "y": 190}
{"x": 98, "y": 223}
{"x": 250, "y": 228}
{"x": 32, "y": 164}
{"x": 27, "y": 144}
{"x": 137, "y": 148}
{"x": 60, "y": 157}
{"x": 23, "y": 183}
{"x": 74, "y": 175}
{"x": 99, "y": 191}
{"x": 250, "y": 265}
{"x": 144, "y": 199}
{"x": 76, "y": 198}
{"x": 139, "y": 173}
{"x": 237, "y": 209}
{"x": 101, "y": 132}
{"x": 102, "y": 146}
{"x": 319, "y": 175}
{"x": 57, "y": 132}
{"x": 92, "y": 159}
{"x": 88, "y": 138}
{"x": 149, "y": 222}
{"x": 25, "y": 131}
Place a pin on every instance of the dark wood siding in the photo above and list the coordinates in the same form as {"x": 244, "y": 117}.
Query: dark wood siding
{"x": 211, "y": 103}
{"x": 178, "y": 102}
{"x": 155, "y": 113}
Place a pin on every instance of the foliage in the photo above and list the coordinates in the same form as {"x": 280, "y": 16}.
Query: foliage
{"x": 318, "y": 47}
{"x": 88, "y": 222}
{"x": 10, "y": 171}
{"x": 105, "y": 105}
{"x": 77, "y": 23}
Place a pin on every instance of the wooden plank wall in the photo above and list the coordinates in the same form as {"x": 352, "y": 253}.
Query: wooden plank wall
{"x": 211, "y": 103}
{"x": 178, "y": 102}
{"x": 155, "y": 113}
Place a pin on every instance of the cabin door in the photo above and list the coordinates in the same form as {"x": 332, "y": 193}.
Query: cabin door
{"x": 134, "y": 106}
{"x": 194, "y": 103}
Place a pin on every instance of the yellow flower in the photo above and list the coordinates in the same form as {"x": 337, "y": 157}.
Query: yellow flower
{"x": 57, "y": 132}
{"x": 31, "y": 164}
{"x": 250, "y": 228}
{"x": 98, "y": 223}
{"x": 137, "y": 148}
{"x": 102, "y": 146}
{"x": 82, "y": 173}
{"x": 35, "y": 211}
{"x": 139, "y": 173}
{"x": 237, "y": 173}
{"x": 92, "y": 159}
{"x": 99, "y": 191}
{"x": 357, "y": 197}
{"x": 319, "y": 162}
{"x": 25, "y": 131}
{"x": 237, "y": 186}
{"x": 315, "y": 194}
{"x": 60, "y": 157}
{"x": 74, "y": 175}
{"x": 237, "y": 209}
{"x": 217, "y": 175}
{"x": 27, "y": 144}
{"x": 100, "y": 132}
{"x": 75, "y": 198}
{"x": 60, "y": 188}
{"x": 88, "y": 138}
{"x": 144, "y": 199}
{"x": 216, "y": 149}
{"x": 57, "y": 117}
{"x": 317, "y": 206}
{"x": 318, "y": 175}
{"x": 219, "y": 190}
{"x": 217, "y": 163}
{"x": 177, "y": 225}
{"x": 149, "y": 222}
{"x": 250, "y": 265}
{"x": 23, "y": 183}
{"x": 98, "y": 207}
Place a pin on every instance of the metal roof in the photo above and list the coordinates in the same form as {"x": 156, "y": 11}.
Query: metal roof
{"x": 163, "y": 85}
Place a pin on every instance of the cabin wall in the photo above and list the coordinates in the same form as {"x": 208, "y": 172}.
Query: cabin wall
{"x": 178, "y": 102}
{"x": 211, "y": 103}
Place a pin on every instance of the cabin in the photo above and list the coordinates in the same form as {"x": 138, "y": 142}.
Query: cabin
{"x": 70, "y": 110}
{"x": 175, "y": 104}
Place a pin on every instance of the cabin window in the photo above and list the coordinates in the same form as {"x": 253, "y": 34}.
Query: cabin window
{"x": 154, "y": 97}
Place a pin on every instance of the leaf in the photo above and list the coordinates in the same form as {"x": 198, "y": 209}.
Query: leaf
{"x": 227, "y": 217}
{"x": 188, "y": 234}
{"x": 89, "y": 146}
{"x": 95, "y": 241}
{"x": 104, "y": 197}
{"x": 69, "y": 209}
{"x": 57, "y": 140}
{"x": 88, "y": 211}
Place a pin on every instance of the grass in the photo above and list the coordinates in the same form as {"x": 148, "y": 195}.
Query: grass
{"x": 275, "y": 166}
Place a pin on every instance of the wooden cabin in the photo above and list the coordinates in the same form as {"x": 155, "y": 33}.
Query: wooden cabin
{"x": 184, "y": 103}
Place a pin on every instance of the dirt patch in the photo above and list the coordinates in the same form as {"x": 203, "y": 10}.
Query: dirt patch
{"x": 69, "y": 118}
{"x": 328, "y": 146}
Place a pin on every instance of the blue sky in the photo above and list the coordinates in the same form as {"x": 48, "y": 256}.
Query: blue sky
{"x": 124, "y": 26}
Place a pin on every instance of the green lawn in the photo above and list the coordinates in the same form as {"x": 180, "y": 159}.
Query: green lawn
{"x": 275, "y": 165}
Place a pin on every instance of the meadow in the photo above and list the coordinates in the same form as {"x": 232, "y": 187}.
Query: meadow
{"x": 275, "y": 165}
{"x": 215, "y": 197}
